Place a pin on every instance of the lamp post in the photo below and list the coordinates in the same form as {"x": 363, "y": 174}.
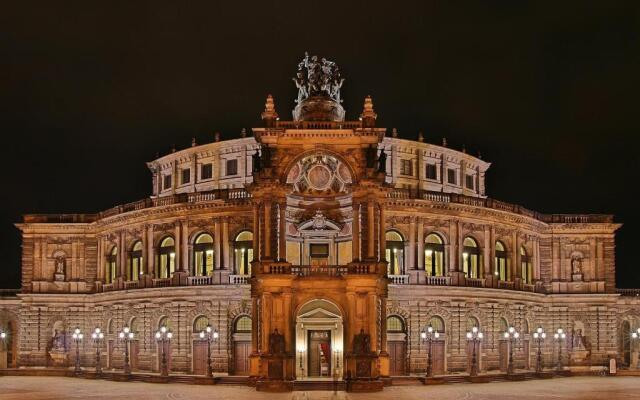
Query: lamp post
{"x": 511, "y": 335}
{"x": 539, "y": 337}
{"x": 126, "y": 336}
{"x": 635, "y": 336}
{"x": 77, "y": 338}
{"x": 3, "y": 337}
{"x": 429, "y": 335}
{"x": 474, "y": 336}
{"x": 301, "y": 364}
{"x": 210, "y": 335}
{"x": 163, "y": 335}
{"x": 559, "y": 336}
{"x": 97, "y": 337}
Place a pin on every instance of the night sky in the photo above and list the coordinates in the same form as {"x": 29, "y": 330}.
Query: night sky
{"x": 546, "y": 91}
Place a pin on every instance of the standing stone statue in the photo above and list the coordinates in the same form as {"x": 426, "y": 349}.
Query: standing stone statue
{"x": 382, "y": 162}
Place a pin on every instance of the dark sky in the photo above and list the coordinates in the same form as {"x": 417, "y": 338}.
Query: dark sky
{"x": 547, "y": 91}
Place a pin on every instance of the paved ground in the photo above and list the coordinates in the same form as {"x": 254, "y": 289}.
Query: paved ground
{"x": 583, "y": 388}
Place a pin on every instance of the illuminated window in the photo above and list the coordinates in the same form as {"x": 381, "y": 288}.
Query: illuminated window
{"x": 206, "y": 171}
{"x": 166, "y": 265}
{"x": 243, "y": 252}
{"x": 203, "y": 255}
{"x": 437, "y": 324}
{"x": 232, "y": 167}
{"x": 501, "y": 270}
{"x": 200, "y": 324}
{"x": 243, "y": 324}
{"x": 451, "y": 176}
{"x": 406, "y": 167}
{"x": 525, "y": 266}
{"x": 394, "y": 324}
{"x": 186, "y": 175}
{"x": 470, "y": 258}
{"x": 112, "y": 262}
{"x": 136, "y": 266}
{"x": 432, "y": 172}
{"x": 166, "y": 182}
{"x": 395, "y": 253}
{"x": 434, "y": 255}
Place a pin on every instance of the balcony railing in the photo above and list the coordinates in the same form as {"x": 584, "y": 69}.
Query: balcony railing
{"x": 399, "y": 279}
{"x": 239, "y": 279}
{"x": 169, "y": 282}
{"x": 628, "y": 292}
{"x": 420, "y": 194}
{"x": 438, "y": 280}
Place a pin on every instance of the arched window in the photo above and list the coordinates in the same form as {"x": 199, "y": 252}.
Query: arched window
{"x": 437, "y": 323}
{"x": 434, "y": 255}
{"x": 164, "y": 321}
{"x": 501, "y": 262}
{"x": 504, "y": 325}
{"x": 203, "y": 255}
{"x": 395, "y": 253}
{"x": 200, "y": 324}
{"x": 525, "y": 326}
{"x": 525, "y": 266}
{"x": 135, "y": 262}
{"x": 243, "y": 252}
{"x": 395, "y": 324}
{"x": 166, "y": 265}
{"x": 472, "y": 322}
{"x": 243, "y": 324}
{"x": 110, "y": 328}
{"x": 470, "y": 258}
{"x": 133, "y": 325}
{"x": 112, "y": 262}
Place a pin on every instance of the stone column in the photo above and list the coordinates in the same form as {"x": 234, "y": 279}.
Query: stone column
{"x": 256, "y": 231}
{"x": 225, "y": 242}
{"x": 282, "y": 226}
{"x": 184, "y": 246}
{"x": 370, "y": 230}
{"x": 267, "y": 229}
{"x": 100, "y": 260}
{"x": 151, "y": 256}
{"x": 217, "y": 238}
{"x": 382, "y": 232}
{"x": 177, "y": 246}
{"x": 122, "y": 255}
{"x": 355, "y": 232}
{"x": 411, "y": 256}
{"x": 420, "y": 241}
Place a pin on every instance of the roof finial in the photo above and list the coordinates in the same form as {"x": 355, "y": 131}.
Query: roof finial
{"x": 420, "y": 137}
{"x": 269, "y": 115}
{"x": 464, "y": 149}
{"x": 243, "y": 132}
{"x": 173, "y": 148}
{"x": 444, "y": 142}
{"x": 394, "y": 133}
{"x": 216, "y": 136}
{"x": 193, "y": 142}
{"x": 368, "y": 116}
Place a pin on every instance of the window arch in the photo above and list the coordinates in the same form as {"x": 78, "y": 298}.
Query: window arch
{"x": 133, "y": 325}
{"x": 395, "y": 253}
{"x": 472, "y": 322}
{"x": 164, "y": 321}
{"x": 526, "y": 269}
{"x": 110, "y": 328}
{"x": 243, "y": 324}
{"x": 434, "y": 255}
{"x": 501, "y": 270}
{"x": 136, "y": 267}
{"x": 470, "y": 258}
{"x": 112, "y": 263}
{"x": 243, "y": 252}
{"x": 200, "y": 324}
{"x": 437, "y": 323}
{"x": 203, "y": 255}
{"x": 395, "y": 324}
{"x": 504, "y": 325}
{"x": 525, "y": 325}
{"x": 166, "y": 265}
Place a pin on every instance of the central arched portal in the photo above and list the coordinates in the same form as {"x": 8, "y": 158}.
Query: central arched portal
{"x": 319, "y": 341}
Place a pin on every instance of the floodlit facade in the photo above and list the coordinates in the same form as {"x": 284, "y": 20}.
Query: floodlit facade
{"x": 318, "y": 247}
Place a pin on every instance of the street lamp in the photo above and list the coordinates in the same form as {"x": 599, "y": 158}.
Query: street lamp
{"x": 429, "y": 335}
{"x": 475, "y": 336}
{"x": 3, "y": 336}
{"x": 301, "y": 365}
{"x": 635, "y": 336}
{"x": 559, "y": 336}
{"x": 511, "y": 335}
{"x": 126, "y": 336}
{"x": 77, "y": 338}
{"x": 97, "y": 337}
{"x": 163, "y": 336}
{"x": 211, "y": 335}
{"x": 539, "y": 337}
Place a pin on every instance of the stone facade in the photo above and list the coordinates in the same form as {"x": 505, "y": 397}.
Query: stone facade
{"x": 323, "y": 224}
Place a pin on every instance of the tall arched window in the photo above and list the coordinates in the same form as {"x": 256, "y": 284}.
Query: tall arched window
{"x": 166, "y": 265}
{"x": 135, "y": 262}
{"x": 525, "y": 266}
{"x": 434, "y": 255}
{"x": 164, "y": 321}
{"x": 472, "y": 322}
{"x": 243, "y": 324}
{"x": 203, "y": 255}
{"x": 133, "y": 325}
{"x": 200, "y": 324}
{"x": 470, "y": 258}
{"x": 243, "y": 252}
{"x": 111, "y": 264}
{"x": 504, "y": 325}
{"x": 501, "y": 262}
{"x": 395, "y": 253}
{"x": 395, "y": 324}
{"x": 437, "y": 323}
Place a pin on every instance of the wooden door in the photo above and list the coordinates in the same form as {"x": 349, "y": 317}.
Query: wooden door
{"x": 397, "y": 357}
{"x": 110, "y": 348}
{"x": 200, "y": 357}
{"x": 242, "y": 350}
{"x": 134, "y": 349}
{"x": 437, "y": 352}
{"x": 527, "y": 355}
{"x": 319, "y": 361}
{"x": 504, "y": 355}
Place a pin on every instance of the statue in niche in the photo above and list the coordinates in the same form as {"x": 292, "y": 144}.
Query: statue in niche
{"x": 576, "y": 267}
{"x": 58, "y": 342}
{"x": 59, "y": 271}
{"x": 276, "y": 343}
{"x": 362, "y": 343}
{"x": 256, "y": 162}
{"x": 382, "y": 162}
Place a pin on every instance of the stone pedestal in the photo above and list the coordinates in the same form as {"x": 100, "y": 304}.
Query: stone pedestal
{"x": 457, "y": 278}
{"x": 59, "y": 358}
{"x": 576, "y": 277}
{"x": 58, "y": 277}
{"x": 579, "y": 357}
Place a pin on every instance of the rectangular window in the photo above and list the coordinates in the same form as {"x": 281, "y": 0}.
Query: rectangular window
{"x": 319, "y": 249}
{"x": 432, "y": 172}
{"x": 186, "y": 175}
{"x": 206, "y": 171}
{"x": 451, "y": 176}
{"x": 406, "y": 167}
{"x": 469, "y": 182}
{"x": 167, "y": 182}
{"x": 232, "y": 167}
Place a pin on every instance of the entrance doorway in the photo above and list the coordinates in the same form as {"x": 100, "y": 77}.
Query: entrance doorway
{"x": 319, "y": 340}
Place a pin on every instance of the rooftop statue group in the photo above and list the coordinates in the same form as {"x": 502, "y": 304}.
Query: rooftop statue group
{"x": 318, "y": 77}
